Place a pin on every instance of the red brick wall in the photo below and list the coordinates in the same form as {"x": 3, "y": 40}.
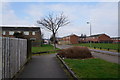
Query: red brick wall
{"x": 101, "y": 38}
{"x": 74, "y": 39}
{"x": 37, "y": 35}
{"x": 104, "y": 38}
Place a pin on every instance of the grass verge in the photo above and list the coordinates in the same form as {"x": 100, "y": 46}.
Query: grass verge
{"x": 93, "y": 68}
{"x": 100, "y": 45}
{"x": 44, "y": 48}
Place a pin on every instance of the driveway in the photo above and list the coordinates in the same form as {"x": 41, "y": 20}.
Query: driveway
{"x": 44, "y": 66}
{"x": 107, "y": 57}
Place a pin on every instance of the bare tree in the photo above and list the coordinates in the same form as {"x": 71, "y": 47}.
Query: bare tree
{"x": 42, "y": 38}
{"x": 53, "y": 23}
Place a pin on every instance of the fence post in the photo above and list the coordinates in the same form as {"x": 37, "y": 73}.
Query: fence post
{"x": 29, "y": 52}
{"x": 118, "y": 50}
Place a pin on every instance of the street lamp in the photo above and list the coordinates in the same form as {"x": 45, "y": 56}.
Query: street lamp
{"x": 90, "y": 31}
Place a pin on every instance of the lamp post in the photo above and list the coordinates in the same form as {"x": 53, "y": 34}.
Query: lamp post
{"x": 90, "y": 31}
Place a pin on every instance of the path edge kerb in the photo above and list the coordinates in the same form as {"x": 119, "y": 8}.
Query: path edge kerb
{"x": 68, "y": 69}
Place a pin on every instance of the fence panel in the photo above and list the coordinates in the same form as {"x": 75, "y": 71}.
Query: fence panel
{"x": 0, "y": 58}
{"x": 14, "y": 56}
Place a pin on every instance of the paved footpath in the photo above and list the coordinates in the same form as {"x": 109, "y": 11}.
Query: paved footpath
{"x": 108, "y": 56}
{"x": 44, "y": 66}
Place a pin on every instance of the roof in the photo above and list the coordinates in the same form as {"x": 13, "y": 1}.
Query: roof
{"x": 18, "y": 26}
{"x": 115, "y": 37}
{"x": 21, "y": 28}
{"x": 97, "y": 35}
{"x": 70, "y": 35}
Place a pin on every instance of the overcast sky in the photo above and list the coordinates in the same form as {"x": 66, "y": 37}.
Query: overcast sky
{"x": 102, "y": 15}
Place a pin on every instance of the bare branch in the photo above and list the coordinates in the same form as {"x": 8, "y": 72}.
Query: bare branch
{"x": 53, "y": 23}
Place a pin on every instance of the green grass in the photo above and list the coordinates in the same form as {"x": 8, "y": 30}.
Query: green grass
{"x": 43, "y": 48}
{"x": 93, "y": 68}
{"x": 98, "y": 45}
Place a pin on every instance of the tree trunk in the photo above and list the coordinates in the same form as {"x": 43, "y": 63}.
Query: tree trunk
{"x": 54, "y": 40}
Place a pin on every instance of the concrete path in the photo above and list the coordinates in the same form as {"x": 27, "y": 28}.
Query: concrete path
{"x": 63, "y": 46}
{"x": 107, "y": 52}
{"x": 106, "y": 56}
{"x": 44, "y": 66}
{"x": 109, "y": 58}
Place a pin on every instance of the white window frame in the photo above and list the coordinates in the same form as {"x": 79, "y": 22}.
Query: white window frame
{"x": 19, "y": 31}
{"x": 11, "y": 32}
{"x": 4, "y": 32}
{"x": 33, "y": 39}
{"x": 33, "y": 33}
{"x": 26, "y": 33}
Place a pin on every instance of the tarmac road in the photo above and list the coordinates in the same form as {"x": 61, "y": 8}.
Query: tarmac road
{"x": 44, "y": 66}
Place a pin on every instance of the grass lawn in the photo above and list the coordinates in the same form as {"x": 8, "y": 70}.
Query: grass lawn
{"x": 98, "y": 45}
{"x": 43, "y": 48}
{"x": 93, "y": 68}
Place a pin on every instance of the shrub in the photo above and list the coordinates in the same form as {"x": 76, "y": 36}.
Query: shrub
{"x": 75, "y": 52}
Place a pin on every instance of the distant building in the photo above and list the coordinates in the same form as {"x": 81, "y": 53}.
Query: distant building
{"x": 115, "y": 39}
{"x": 46, "y": 41}
{"x": 71, "y": 39}
{"x": 99, "y": 38}
{"x": 30, "y": 33}
{"x": 82, "y": 39}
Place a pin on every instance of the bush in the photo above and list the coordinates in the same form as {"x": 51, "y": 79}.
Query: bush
{"x": 75, "y": 52}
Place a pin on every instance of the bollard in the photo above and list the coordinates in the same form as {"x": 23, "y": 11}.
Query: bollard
{"x": 118, "y": 50}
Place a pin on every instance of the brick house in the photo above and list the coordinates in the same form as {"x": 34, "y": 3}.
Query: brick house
{"x": 96, "y": 38}
{"x": 71, "y": 39}
{"x": 115, "y": 39}
{"x": 30, "y": 33}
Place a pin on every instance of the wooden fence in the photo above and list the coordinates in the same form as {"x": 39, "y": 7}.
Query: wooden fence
{"x": 14, "y": 56}
{"x": 0, "y": 53}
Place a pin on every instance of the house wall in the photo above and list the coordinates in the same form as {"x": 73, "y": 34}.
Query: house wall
{"x": 115, "y": 40}
{"x": 36, "y": 37}
{"x": 101, "y": 38}
{"x": 74, "y": 39}
{"x": 104, "y": 38}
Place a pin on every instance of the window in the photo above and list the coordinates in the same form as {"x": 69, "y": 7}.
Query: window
{"x": 33, "y": 33}
{"x": 26, "y": 33}
{"x": 3, "y": 32}
{"x": 11, "y": 32}
{"x": 33, "y": 39}
{"x": 19, "y": 31}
